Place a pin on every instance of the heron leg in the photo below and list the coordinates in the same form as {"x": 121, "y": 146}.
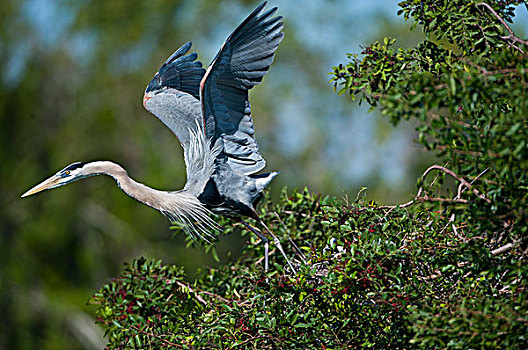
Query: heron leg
{"x": 263, "y": 239}
{"x": 279, "y": 246}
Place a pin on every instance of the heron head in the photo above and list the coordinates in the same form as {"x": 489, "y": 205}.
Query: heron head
{"x": 72, "y": 172}
{"x": 152, "y": 88}
{"x": 148, "y": 95}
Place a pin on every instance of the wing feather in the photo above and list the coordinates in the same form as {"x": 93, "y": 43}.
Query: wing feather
{"x": 184, "y": 96}
{"x": 181, "y": 72}
{"x": 241, "y": 63}
{"x": 173, "y": 94}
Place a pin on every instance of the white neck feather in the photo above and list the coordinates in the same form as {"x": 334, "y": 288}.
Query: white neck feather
{"x": 180, "y": 207}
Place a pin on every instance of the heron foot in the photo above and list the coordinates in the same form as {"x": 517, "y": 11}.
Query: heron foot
{"x": 278, "y": 244}
{"x": 276, "y": 241}
{"x": 264, "y": 239}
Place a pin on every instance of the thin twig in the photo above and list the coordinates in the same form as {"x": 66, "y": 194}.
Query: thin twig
{"x": 505, "y": 248}
{"x": 440, "y": 199}
{"x": 436, "y": 177}
{"x": 157, "y": 337}
{"x": 455, "y": 230}
{"x": 250, "y": 339}
{"x": 420, "y": 198}
{"x": 460, "y": 189}
{"x": 216, "y": 296}
{"x": 295, "y": 247}
{"x": 459, "y": 178}
{"x": 198, "y": 297}
{"x": 512, "y": 37}
{"x": 451, "y": 220}
{"x": 497, "y": 16}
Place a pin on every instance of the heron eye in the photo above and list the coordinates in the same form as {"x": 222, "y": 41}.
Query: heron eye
{"x": 67, "y": 172}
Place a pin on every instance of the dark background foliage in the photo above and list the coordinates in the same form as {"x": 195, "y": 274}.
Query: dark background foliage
{"x": 440, "y": 271}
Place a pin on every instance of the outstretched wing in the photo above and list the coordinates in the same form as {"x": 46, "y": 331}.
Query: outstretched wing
{"x": 173, "y": 94}
{"x": 241, "y": 63}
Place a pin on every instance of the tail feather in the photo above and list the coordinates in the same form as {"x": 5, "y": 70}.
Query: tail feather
{"x": 263, "y": 180}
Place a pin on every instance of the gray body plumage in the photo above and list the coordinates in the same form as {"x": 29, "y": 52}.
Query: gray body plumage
{"x": 209, "y": 112}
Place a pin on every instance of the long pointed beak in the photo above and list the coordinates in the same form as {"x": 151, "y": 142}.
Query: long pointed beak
{"x": 44, "y": 185}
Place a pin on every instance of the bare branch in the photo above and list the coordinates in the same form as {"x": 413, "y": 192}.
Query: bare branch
{"x": 462, "y": 189}
{"x": 158, "y": 337}
{"x": 440, "y": 199}
{"x": 512, "y": 38}
{"x": 459, "y": 178}
{"x": 216, "y": 296}
{"x": 497, "y": 16}
{"x": 250, "y": 340}
{"x": 457, "y": 199}
{"x": 505, "y": 248}
{"x": 198, "y": 297}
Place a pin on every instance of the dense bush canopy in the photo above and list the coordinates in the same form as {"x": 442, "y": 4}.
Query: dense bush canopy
{"x": 445, "y": 270}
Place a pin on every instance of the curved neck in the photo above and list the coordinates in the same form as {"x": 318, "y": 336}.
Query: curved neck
{"x": 178, "y": 206}
{"x": 138, "y": 191}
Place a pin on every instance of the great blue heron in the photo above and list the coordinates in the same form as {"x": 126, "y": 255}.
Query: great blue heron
{"x": 209, "y": 112}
